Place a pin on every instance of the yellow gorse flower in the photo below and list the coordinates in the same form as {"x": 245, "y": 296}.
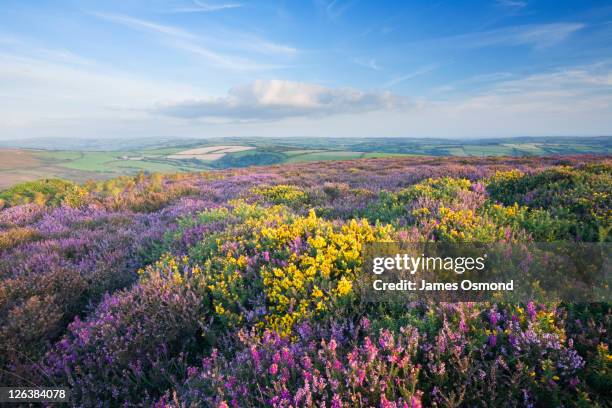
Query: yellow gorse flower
{"x": 310, "y": 280}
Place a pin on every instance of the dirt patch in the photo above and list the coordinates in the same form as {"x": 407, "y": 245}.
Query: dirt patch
{"x": 11, "y": 159}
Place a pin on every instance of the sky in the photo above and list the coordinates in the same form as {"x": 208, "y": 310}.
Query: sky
{"x": 337, "y": 68}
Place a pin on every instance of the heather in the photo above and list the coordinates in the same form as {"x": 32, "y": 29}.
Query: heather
{"x": 235, "y": 288}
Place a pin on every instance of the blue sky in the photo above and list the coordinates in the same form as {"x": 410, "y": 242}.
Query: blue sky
{"x": 186, "y": 68}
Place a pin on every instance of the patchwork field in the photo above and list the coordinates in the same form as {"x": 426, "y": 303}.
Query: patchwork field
{"x": 106, "y": 159}
{"x": 208, "y": 154}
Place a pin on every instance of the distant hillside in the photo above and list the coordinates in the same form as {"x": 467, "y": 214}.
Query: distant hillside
{"x": 81, "y": 160}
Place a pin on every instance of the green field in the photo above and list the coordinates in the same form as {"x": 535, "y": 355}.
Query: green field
{"x": 324, "y": 155}
{"x": 87, "y": 159}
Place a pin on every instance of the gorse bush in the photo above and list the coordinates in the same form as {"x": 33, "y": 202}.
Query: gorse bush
{"x": 580, "y": 196}
{"x": 282, "y": 194}
{"x": 49, "y": 191}
{"x": 237, "y": 288}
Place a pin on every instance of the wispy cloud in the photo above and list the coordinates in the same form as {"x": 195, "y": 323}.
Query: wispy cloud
{"x": 564, "y": 91}
{"x": 8, "y": 40}
{"x": 532, "y": 35}
{"x": 537, "y": 35}
{"x": 368, "y": 63}
{"x": 243, "y": 41}
{"x": 145, "y": 25}
{"x": 63, "y": 56}
{"x": 51, "y": 85}
{"x": 278, "y": 99}
{"x": 333, "y": 9}
{"x": 511, "y": 4}
{"x": 209, "y": 46}
{"x": 202, "y": 7}
{"x": 235, "y": 63}
{"x": 471, "y": 84}
{"x": 411, "y": 75}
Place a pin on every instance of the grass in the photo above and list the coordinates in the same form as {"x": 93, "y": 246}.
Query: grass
{"x": 93, "y": 161}
{"x": 163, "y": 151}
{"x": 495, "y": 150}
{"x": 324, "y": 155}
{"x": 292, "y": 153}
{"x": 380, "y": 155}
{"x": 58, "y": 155}
{"x": 149, "y": 166}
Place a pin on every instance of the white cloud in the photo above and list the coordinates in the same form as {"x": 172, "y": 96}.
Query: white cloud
{"x": 276, "y": 99}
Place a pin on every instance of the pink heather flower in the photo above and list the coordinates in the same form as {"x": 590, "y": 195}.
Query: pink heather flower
{"x": 493, "y": 318}
{"x": 384, "y": 402}
{"x": 531, "y": 309}
{"x": 266, "y": 256}
{"x": 492, "y": 340}
{"x": 273, "y": 369}
{"x": 332, "y": 345}
{"x": 318, "y": 383}
{"x": 276, "y": 358}
{"x": 441, "y": 344}
{"x": 337, "y": 365}
{"x": 223, "y": 404}
{"x": 255, "y": 356}
{"x": 361, "y": 376}
{"x": 415, "y": 401}
{"x": 371, "y": 349}
{"x": 191, "y": 371}
{"x": 508, "y": 234}
{"x": 386, "y": 340}
{"x": 336, "y": 402}
{"x": 365, "y": 323}
{"x": 306, "y": 362}
{"x": 353, "y": 358}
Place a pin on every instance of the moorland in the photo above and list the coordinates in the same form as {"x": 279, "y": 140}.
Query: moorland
{"x": 235, "y": 287}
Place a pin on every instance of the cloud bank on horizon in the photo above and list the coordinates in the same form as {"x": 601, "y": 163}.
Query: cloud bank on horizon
{"x": 276, "y": 99}
{"x": 316, "y": 68}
